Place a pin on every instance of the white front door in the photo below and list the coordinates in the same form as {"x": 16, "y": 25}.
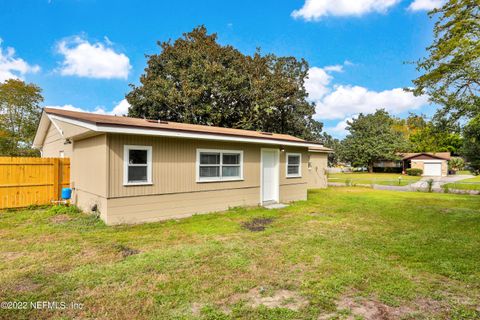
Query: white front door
{"x": 432, "y": 169}
{"x": 270, "y": 171}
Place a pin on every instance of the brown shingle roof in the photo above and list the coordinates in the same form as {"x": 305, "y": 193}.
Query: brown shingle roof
{"x": 109, "y": 120}
{"x": 439, "y": 155}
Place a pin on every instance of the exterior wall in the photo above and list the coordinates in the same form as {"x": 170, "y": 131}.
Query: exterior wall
{"x": 54, "y": 143}
{"x": 173, "y": 165}
{"x": 316, "y": 172}
{"x": 97, "y": 170}
{"x": 174, "y": 191}
{"x": 85, "y": 201}
{"x": 88, "y": 173}
{"x": 293, "y": 188}
{"x": 177, "y": 205}
{"x": 444, "y": 168}
{"x": 419, "y": 164}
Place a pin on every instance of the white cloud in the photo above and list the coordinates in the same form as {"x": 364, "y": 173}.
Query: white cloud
{"x": 342, "y": 102}
{"x": 119, "y": 109}
{"x": 12, "y": 67}
{"x": 334, "y": 68}
{"x": 346, "y": 100}
{"x": 427, "y": 5}
{"x": 317, "y": 83}
{"x": 339, "y": 130}
{"x": 315, "y": 9}
{"x": 319, "y": 79}
{"x": 92, "y": 60}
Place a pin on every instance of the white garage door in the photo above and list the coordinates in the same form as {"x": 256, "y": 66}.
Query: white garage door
{"x": 432, "y": 169}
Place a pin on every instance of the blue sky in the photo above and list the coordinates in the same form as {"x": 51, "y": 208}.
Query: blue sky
{"x": 84, "y": 53}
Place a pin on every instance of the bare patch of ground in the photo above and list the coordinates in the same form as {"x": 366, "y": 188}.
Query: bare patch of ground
{"x": 5, "y": 256}
{"x": 278, "y": 299}
{"x": 61, "y": 218}
{"x": 372, "y": 309}
{"x": 25, "y": 285}
{"x": 196, "y": 308}
{"x": 126, "y": 251}
{"x": 257, "y": 224}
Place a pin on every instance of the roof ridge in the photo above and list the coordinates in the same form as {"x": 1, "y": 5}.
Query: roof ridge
{"x": 113, "y": 120}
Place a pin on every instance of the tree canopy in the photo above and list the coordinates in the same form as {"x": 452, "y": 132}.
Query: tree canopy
{"x": 471, "y": 147}
{"x": 19, "y": 115}
{"x": 451, "y": 72}
{"x": 335, "y": 144}
{"x": 372, "y": 138}
{"x": 428, "y": 136}
{"x": 197, "y": 80}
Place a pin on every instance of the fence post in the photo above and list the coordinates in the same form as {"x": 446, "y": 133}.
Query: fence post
{"x": 56, "y": 181}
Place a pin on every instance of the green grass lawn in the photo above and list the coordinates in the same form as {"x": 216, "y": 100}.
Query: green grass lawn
{"x": 372, "y": 178}
{"x": 463, "y": 172}
{"x": 345, "y": 252}
{"x": 467, "y": 184}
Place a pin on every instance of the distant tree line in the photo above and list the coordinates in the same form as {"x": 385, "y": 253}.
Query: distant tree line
{"x": 382, "y": 137}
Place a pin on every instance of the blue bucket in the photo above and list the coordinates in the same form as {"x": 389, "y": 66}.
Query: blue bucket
{"x": 66, "y": 193}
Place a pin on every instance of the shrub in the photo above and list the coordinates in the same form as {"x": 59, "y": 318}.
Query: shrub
{"x": 446, "y": 188}
{"x": 414, "y": 172}
{"x": 430, "y": 185}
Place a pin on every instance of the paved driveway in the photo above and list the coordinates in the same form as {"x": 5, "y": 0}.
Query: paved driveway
{"x": 439, "y": 181}
{"x": 422, "y": 184}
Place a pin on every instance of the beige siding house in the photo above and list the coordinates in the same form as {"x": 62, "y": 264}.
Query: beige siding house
{"x": 134, "y": 170}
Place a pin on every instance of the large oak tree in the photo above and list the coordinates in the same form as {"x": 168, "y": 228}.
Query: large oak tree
{"x": 371, "y": 138}
{"x": 197, "y": 80}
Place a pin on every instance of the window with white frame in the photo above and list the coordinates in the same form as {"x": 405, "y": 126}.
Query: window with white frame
{"x": 294, "y": 165}
{"x": 219, "y": 165}
{"x": 138, "y": 165}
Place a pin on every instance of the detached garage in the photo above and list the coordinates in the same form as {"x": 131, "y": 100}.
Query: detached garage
{"x": 433, "y": 164}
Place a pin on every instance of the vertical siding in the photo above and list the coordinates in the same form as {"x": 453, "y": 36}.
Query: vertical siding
{"x": 174, "y": 165}
{"x": 177, "y": 205}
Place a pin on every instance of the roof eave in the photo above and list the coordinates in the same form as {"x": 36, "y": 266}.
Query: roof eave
{"x": 41, "y": 131}
{"x": 109, "y": 128}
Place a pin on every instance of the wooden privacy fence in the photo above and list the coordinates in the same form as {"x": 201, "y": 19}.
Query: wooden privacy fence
{"x": 32, "y": 181}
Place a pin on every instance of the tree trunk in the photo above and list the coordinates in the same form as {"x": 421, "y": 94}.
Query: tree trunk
{"x": 370, "y": 167}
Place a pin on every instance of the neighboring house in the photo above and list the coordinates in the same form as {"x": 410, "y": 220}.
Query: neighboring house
{"x": 134, "y": 170}
{"x": 388, "y": 166}
{"x": 433, "y": 164}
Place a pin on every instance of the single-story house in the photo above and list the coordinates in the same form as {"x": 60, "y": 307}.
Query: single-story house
{"x": 433, "y": 164}
{"x": 133, "y": 170}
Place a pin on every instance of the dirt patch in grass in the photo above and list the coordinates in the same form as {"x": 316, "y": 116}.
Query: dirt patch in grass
{"x": 278, "y": 299}
{"x": 25, "y": 285}
{"x": 371, "y": 308}
{"x": 196, "y": 308}
{"x": 126, "y": 251}
{"x": 59, "y": 219}
{"x": 6, "y": 256}
{"x": 257, "y": 224}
